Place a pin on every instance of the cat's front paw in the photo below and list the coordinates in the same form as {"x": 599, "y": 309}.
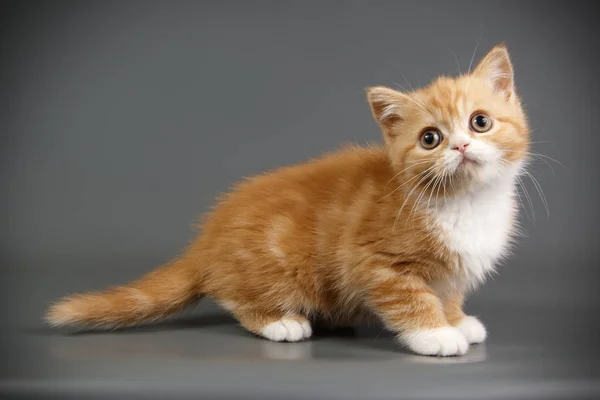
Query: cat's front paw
{"x": 473, "y": 329}
{"x": 444, "y": 341}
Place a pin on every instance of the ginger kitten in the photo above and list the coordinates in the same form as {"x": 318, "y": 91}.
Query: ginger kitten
{"x": 403, "y": 231}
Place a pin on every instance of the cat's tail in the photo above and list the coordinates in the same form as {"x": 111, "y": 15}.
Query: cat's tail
{"x": 155, "y": 295}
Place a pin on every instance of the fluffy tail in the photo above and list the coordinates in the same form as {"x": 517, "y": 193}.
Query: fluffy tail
{"x": 152, "y": 297}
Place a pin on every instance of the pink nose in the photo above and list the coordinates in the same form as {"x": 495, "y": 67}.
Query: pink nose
{"x": 461, "y": 147}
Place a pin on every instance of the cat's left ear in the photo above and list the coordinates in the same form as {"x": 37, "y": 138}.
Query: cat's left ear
{"x": 497, "y": 69}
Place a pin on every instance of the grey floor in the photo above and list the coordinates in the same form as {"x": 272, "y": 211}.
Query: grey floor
{"x": 533, "y": 352}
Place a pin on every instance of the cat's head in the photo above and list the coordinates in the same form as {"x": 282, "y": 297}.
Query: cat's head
{"x": 466, "y": 131}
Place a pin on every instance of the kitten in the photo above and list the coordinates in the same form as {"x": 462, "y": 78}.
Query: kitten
{"x": 401, "y": 231}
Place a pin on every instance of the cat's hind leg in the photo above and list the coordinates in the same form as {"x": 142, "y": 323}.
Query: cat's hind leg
{"x": 274, "y": 326}
{"x": 288, "y": 329}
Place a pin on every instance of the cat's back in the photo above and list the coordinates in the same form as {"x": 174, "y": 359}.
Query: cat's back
{"x": 296, "y": 194}
{"x": 317, "y": 178}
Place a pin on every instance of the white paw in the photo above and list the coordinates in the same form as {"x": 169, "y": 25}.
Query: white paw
{"x": 288, "y": 330}
{"x": 473, "y": 329}
{"x": 445, "y": 341}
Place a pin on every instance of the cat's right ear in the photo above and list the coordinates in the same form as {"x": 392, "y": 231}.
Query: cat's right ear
{"x": 386, "y": 105}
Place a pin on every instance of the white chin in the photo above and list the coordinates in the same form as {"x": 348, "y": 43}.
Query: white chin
{"x": 485, "y": 173}
{"x": 468, "y": 169}
{"x": 474, "y": 173}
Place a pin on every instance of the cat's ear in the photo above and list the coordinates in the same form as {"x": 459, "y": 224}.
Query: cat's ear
{"x": 497, "y": 69}
{"x": 386, "y": 105}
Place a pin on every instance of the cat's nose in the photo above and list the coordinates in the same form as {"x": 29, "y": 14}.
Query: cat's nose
{"x": 461, "y": 147}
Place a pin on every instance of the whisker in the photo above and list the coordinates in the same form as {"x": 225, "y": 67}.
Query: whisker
{"x": 471, "y": 64}
{"x": 444, "y": 175}
{"x": 417, "y": 202}
{"x": 401, "y": 87}
{"x": 456, "y": 59}
{"x": 540, "y": 192}
{"x": 473, "y": 56}
{"x": 415, "y": 163}
{"x": 407, "y": 82}
{"x": 504, "y": 162}
{"x": 545, "y": 162}
{"x": 423, "y": 106}
{"x": 527, "y": 197}
{"x": 540, "y": 141}
{"x": 549, "y": 158}
{"x": 542, "y": 157}
{"x": 435, "y": 185}
{"x": 431, "y": 172}
{"x": 405, "y": 183}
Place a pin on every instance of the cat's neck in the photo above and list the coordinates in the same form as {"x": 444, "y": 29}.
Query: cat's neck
{"x": 478, "y": 224}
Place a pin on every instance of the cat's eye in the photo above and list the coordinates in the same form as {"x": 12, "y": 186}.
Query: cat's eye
{"x": 480, "y": 122}
{"x": 430, "y": 139}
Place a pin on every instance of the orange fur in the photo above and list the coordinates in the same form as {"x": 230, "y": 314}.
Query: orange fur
{"x": 338, "y": 237}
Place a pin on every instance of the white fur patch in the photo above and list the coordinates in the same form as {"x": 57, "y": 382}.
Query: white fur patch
{"x": 477, "y": 226}
{"x": 228, "y": 305}
{"x": 445, "y": 341}
{"x": 288, "y": 330}
{"x": 473, "y": 329}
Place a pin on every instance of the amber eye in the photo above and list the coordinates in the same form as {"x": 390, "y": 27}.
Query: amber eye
{"x": 430, "y": 139}
{"x": 481, "y": 122}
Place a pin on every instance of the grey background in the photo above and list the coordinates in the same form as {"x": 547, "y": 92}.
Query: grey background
{"x": 122, "y": 121}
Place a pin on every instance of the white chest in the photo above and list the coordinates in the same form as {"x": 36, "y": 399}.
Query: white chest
{"x": 477, "y": 227}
